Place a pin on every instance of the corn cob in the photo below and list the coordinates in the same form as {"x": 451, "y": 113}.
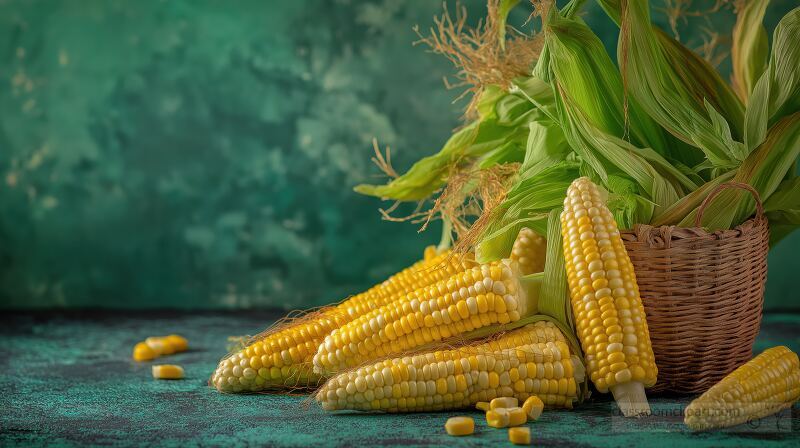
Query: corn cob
{"x": 529, "y": 251}
{"x": 767, "y": 384}
{"x": 282, "y": 358}
{"x": 531, "y": 360}
{"x": 485, "y": 295}
{"x": 491, "y": 294}
{"x": 608, "y": 310}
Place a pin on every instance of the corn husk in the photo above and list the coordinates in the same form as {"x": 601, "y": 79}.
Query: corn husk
{"x": 679, "y": 90}
{"x": 750, "y": 50}
{"x": 777, "y": 92}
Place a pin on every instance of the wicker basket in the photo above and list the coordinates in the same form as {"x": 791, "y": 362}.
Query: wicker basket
{"x": 703, "y": 295}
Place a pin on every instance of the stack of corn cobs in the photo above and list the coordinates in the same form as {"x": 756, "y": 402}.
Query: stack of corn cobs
{"x": 547, "y": 301}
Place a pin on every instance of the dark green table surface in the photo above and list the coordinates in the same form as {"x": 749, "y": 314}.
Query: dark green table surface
{"x": 67, "y": 379}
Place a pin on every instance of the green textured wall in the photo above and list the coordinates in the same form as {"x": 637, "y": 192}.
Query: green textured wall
{"x": 202, "y": 153}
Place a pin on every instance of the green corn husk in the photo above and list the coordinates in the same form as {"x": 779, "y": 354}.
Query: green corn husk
{"x": 554, "y": 293}
{"x": 777, "y": 92}
{"x": 676, "y": 88}
{"x": 692, "y": 72}
{"x": 589, "y": 100}
{"x": 527, "y": 205}
{"x": 750, "y": 50}
{"x": 498, "y": 136}
{"x": 783, "y": 209}
{"x": 503, "y": 9}
{"x": 764, "y": 169}
{"x": 587, "y": 76}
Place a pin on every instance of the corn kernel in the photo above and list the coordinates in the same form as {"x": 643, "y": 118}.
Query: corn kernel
{"x": 503, "y": 402}
{"x": 516, "y": 416}
{"x": 143, "y": 352}
{"x": 430, "y": 382}
{"x": 178, "y": 343}
{"x": 497, "y": 418}
{"x": 533, "y": 407}
{"x": 519, "y": 435}
{"x": 167, "y": 372}
{"x": 459, "y": 426}
{"x": 159, "y": 345}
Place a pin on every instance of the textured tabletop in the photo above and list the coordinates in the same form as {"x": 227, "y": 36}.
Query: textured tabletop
{"x": 67, "y": 379}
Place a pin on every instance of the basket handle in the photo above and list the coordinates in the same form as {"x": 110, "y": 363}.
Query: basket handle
{"x": 698, "y": 217}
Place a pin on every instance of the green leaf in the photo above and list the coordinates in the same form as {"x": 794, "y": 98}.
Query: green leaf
{"x": 546, "y": 147}
{"x": 538, "y": 92}
{"x": 490, "y": 95}
{"x": 750, "y": 50}
{"x": 676, "y": 212}
{"x": 427, "y": 174}
{"x": 781, "y": 226}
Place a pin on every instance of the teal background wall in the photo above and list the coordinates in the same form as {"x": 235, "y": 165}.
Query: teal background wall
{"x": 202, "y": 153}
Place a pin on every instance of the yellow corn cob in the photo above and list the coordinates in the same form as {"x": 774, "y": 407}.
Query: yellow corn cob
{"x": 767, "y": 384}
{"x": 529, "y": 251}
{"x": 608, "y": 310}
{"x": 483, "y": 295}
{"x": 283, "y": 358}
{"x": 532, "y": 360}
{"x": 487, "y": 295}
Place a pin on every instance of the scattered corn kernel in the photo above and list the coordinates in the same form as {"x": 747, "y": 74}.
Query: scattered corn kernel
{"x": 178, "y": 343}
{"x": 516, "y": 416}
{"x": 143, "y": 352}
{"x": 482, "y": 406}
{"x": 167, "y": 372}
{"x": 533, "y": 407}
{"x": 503, "y": 402}
{"x": 460, "y": 426}
{"x": 520, "y": 435}
{"x": 497, "y": 418}
{"x": 159, "y": 345}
